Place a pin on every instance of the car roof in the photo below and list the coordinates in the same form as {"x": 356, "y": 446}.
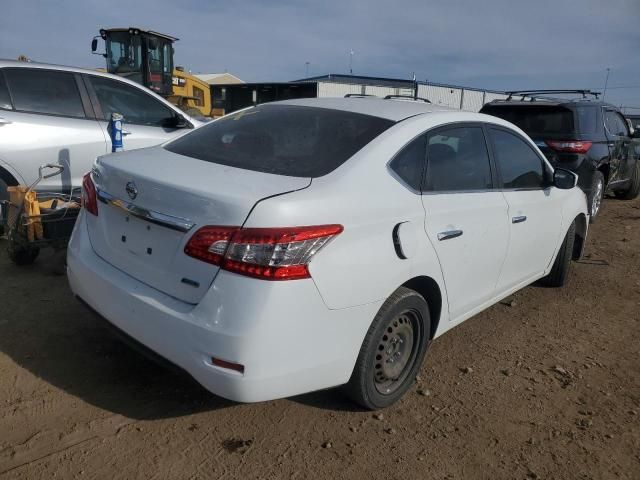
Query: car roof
{"x": 391, "y": 109}
{"x": 62, "y": 68}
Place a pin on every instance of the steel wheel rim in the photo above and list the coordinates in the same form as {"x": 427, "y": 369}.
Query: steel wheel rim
{"x": 396, "y": 351}
{"x": 597, "y": 199}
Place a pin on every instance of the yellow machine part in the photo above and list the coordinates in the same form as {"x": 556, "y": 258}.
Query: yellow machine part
{"x": 21, "y": 195}
{"x": 190, "y": 93}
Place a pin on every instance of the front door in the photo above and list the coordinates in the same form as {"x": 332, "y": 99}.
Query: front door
{"x": 466, "y": 219}
{"x": 535, "y": 208}
{"x": 621, "y": 148}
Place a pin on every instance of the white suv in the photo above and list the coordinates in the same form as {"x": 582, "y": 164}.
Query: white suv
{"x": 53, "y": 114}
{"x": 305, "y": 244}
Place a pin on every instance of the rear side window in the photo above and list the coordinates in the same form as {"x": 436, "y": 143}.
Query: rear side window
{"x": 136, "y": 106}
{"x": 44, "y": 91}
{"x": 536, "y": 120}
{"x": 5, "y": 100}
{"x": 587, "y": 119}
{"x": 296, "y": 141}
{"x": 409, "y": 163}
{"x": 457, "y": 160}
{"x": 520, "y": 166}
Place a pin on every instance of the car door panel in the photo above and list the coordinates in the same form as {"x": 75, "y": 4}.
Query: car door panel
{"x": 470, "y": 234}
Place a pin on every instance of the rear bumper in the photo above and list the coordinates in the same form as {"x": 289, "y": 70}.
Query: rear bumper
{"x": 283, "y": 334}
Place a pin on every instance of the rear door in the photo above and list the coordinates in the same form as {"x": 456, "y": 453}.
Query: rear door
{"x": 466, "y": 218}
{"x": 147, "y": 120}
{"x": 535, "y": 209}
{"x": 48, "y": 119}
{"x": 621, "y": 148}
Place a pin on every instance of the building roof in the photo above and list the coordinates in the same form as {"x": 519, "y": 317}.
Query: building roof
{"x": 385, "y": 82}
{"x": 219, "y": 78}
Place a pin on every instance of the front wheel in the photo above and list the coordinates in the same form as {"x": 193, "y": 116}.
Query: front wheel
{"x": 557, "y": 277}
{"x": 392, "y": 351}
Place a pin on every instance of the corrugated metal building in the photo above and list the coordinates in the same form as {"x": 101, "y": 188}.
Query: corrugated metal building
{"x": 230, "y": 97}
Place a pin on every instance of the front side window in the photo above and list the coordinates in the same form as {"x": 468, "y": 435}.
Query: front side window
{"x": 44, "y": 91}
{"x": 291, "y": 140}
{"x": 615, "y": 124}
{"x": 457, "y": 160}
{"x": 409, "y": 163}
{"x": 136, "y": 106}
{"x": 520, "y": 166}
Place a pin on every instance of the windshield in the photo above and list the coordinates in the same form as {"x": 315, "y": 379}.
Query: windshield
{"x": 282, "y": 139}
{"x": 124, "y": 55}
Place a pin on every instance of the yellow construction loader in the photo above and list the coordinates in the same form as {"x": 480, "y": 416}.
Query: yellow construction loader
{"x": 146, "y": 57}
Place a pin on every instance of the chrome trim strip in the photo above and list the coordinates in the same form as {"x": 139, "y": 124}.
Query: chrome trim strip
{"x": 168, "y": 221}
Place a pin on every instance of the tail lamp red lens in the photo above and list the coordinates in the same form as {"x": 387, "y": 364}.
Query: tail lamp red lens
{"x": 266, "y": 253}
{"x": 570, "y": 146}
{"x": 89, "y": 196}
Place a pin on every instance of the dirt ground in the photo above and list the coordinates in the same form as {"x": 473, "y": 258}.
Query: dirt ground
{"x": 543, "y": 387}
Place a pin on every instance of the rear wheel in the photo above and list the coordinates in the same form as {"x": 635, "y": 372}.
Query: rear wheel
{"x": 557, "y": 277}
{"x": 392, "y": 351}
{"x": 634, "y": 189}
{"x": 19, "y": 253}
{"x": 596, "y": 195}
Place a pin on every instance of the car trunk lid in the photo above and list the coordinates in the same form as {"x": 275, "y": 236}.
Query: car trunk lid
{"x": 151, "y": 201}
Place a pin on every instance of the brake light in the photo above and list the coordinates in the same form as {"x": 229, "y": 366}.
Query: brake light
{"x": 266, "y": 253}
{"x": 570, "y": 146}
{"x": 89, "y": 197}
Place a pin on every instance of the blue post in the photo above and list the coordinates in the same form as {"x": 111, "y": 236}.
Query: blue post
{"x": 115, "y": 132}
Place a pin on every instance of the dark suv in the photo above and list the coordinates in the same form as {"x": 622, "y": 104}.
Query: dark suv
{"x": 588, "y": 136}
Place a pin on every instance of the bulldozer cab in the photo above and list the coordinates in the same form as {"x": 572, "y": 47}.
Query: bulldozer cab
{"x": 144, "y": 56}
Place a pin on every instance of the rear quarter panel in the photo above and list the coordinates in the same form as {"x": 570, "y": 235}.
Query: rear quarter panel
{"x": 360, "y": 265}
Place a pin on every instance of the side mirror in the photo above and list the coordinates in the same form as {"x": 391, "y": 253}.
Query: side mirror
{"x": 94, "y": 45}
{"x": 177, "y": 121}
{"x": 564, "y": 179}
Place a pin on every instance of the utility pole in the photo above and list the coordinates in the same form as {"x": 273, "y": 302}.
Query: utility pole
{"x": 306, "y": 69}
{"x": 606, "y": 81}
{"x": 351, "y": 62}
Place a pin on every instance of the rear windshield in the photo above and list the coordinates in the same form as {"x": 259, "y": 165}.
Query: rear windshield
{"x": 282, "y": 139}
{"x": 547, "y": 120}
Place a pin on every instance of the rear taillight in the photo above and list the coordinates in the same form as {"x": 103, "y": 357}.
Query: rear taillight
{"x": 569, "y": 146}
{"x": 89, "y": 197}
{"x": 267, "y": 253}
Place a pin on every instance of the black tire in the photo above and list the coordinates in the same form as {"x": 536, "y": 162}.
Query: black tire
{"x": 376, "y": 382}
{"x": 559, "y": 273}
{"x": 596, "y": 195}
{"x": 634, "y": 189}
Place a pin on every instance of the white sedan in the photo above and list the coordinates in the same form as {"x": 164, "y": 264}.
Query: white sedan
{"x": 301, "y": 245}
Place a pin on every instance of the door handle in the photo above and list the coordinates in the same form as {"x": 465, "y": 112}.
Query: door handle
{"x": 125, "y": 133}
{"x": 519, "y": 219}
{"x": 449, "y": 234}
{"x": 4, "y": 121}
